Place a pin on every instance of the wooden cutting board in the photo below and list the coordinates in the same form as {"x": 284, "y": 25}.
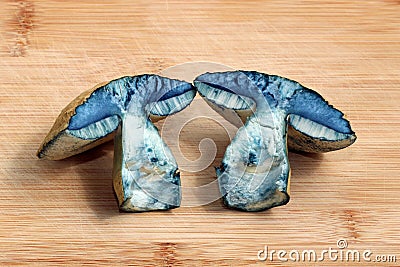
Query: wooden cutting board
{"x": 65, "y": 212}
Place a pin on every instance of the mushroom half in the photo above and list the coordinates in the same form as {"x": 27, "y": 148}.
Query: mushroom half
{"x": 277, "y": 113}
{"x": 145, "y": 173}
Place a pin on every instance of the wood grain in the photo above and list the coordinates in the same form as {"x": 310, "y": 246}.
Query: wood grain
{"x": 65, "y": 212}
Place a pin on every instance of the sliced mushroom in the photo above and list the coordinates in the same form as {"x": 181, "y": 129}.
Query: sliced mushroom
{"x": 276, "y": 112}
{"x": 145, "y": 173}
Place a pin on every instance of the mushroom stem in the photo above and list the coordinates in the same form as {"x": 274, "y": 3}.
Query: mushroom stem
{"x": 145, "y": 173}
{"x": 254, "y": 174}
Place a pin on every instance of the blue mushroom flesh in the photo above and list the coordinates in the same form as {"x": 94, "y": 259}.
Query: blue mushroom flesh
{"x": 277, "y": 112}
{"x": 145, "y": 174}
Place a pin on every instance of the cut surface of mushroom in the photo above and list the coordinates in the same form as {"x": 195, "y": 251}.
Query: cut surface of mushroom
{"x": 145, "y": 173}
{"x": 277, "y": 113}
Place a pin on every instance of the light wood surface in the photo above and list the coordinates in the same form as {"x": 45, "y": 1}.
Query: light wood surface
{"x": 65, "y": 212}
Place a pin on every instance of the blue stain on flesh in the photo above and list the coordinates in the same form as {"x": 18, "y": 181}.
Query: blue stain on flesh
{"x": 218, "y": 86}
{"x": 113, "y": 98}
{"x": 106, "y": 101}
{"x": 149, "y": 171}
{"x": 178, "y": 90}
{"x": 299, "y": 100}
{"x": 282, "y": 93}
{"x": 252, "y": 158}
{"x": 99, "y": 106}
{"x": 254, "y": 175}
{"x": 312, "y": 106}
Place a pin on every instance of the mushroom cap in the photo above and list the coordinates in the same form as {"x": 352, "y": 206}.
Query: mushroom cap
{"x": 314, "y": 125}
{"x": 92, "y": 117}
